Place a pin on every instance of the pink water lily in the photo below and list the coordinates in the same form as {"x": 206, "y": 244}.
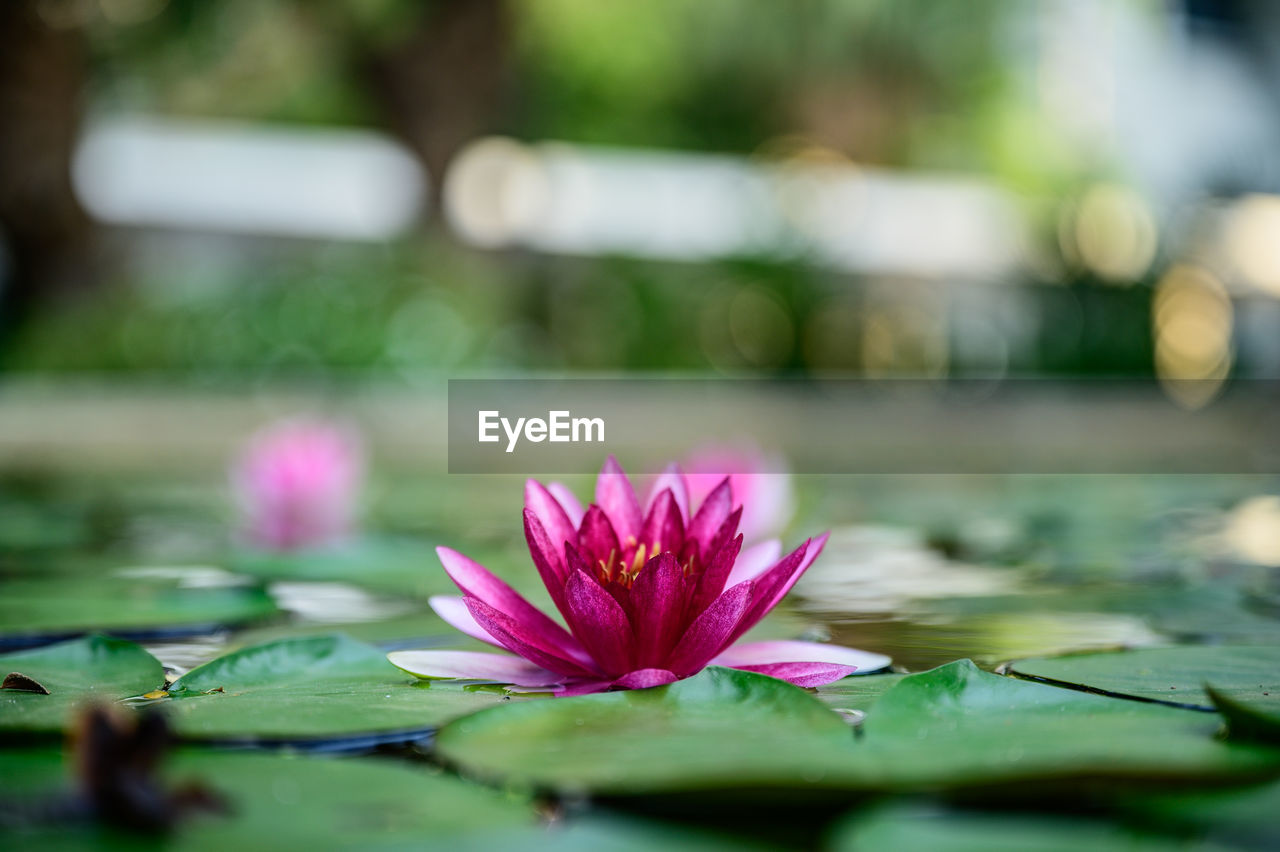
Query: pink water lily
{"x": 650, "y": 595}
{"x": 759, "y": 480}
{"x": 297, "y": 484}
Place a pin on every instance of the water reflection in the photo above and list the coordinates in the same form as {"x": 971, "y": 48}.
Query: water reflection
{"x": 992, "y": 638}
{"x": 867, "y": 569}
{"x": 335, "y": 603}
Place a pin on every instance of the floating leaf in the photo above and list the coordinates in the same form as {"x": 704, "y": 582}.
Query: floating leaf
{"x": 288, "y": 802}
{"x": 312, "y": 689}
{"x": 959, "y": 725}
{"x": 1250, "y": 716}
{"x": 1248, "y": 817}
{"x": 721, "y": 726}
{"x": 94, "y": 667}
{"x": 33, "y": 611}
{"x": 397, "y": 566}
{"x": 937, "y": 830}
{"x": 1169, "y": 675}
{"x": 954, "y": 726}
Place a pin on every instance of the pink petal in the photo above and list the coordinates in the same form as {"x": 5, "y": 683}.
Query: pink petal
{"x": 773, "y": 585}
{"x": 710, "y": 631}
{"x": 658, "y": 599}
{"x": 802, "y": 674}
{"x": 518, "y": 639}
{"x": 582, "y": 686}
{"x": 672, "y": 478}
{"x": 473, "y": 665}
{"x": 792, "y": 651}
{"x": 754, "y": 561}
{"x": 712, "y": 581}
{"x": 715, "y": 510}
{"x": 760, "y": 483}
{"x": 599, "y": 622}
{"x": 663, "y": 526}
{"x": 455, "y": 613}
{"x": 478, "y": 582}
{"x": 724, "y": 534}
{"x": 811, "y": 553}
{"x": 616, "y": 497}
{"x": 568, "y": 501}
{"x": 597, "y": 539}
{"x": 645, "y": 678}
{"x": 547, "y": 558}
{"x": 549, "y": 513}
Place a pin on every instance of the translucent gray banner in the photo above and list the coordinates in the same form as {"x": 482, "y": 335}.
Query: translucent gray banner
{"x": 565, "y": 426}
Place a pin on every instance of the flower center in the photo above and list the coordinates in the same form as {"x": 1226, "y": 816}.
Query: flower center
{"x": 618, "y": 568}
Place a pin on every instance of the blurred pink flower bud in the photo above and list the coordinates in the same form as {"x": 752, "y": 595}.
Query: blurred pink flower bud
{"x": 297, "y": 483}
{"x": 760, "y": 484}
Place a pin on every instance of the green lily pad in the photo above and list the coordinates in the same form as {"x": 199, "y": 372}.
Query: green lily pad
{"x": 294, "y": 802}
{"x": 1247, "y": 817}
{"x": 320, "y": 688}
{"x": 1253, "y": 715}
{"x": 721, "y": 726}
{"x": 938, "y": 830}
{"x": 75, "y": 672}
{"x": 397, "y": 566}
{"x": 33, "y": 611}
{"x": 1168, "y": 675}
{"x": 955, "y": 726}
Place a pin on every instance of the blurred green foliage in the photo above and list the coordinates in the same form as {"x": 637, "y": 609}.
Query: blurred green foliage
{"x": 412, "y": 308}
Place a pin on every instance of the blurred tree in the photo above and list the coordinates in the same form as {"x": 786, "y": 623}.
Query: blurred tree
{"x": 440, "y": 84}
{"x": 43, "y": 230}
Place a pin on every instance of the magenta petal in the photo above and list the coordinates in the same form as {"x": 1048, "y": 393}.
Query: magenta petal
{"x": 597, "y": 539}
{"x": 663, "y": 530}
{"x": 802, "y": 674}
{"x": 658, "y": 600}
{"x": 478, "y": 582}
{"x": 645, "y": 678}
{"x": 772, "y": 580}
{"x": 754, "y": 561}
{"x": 455, "y": 613}
{"x": 710, "y": 631}
{"x": 672, "y": 478}
{"x": 812, "y": 552}
{"x": 792, "y": 650}
{"x": 600, "y": 623}
{"x": 473, "y": 665}
{"x": 616, "y": 497}
{"x": 714, "y": 577}
{"x": 549, "y": 513}
{"x": 518, "y": 639}
{"x": 568, "y": 501}
{"x": 715, "y": 510}
{"x": 724, "y": 534}
{"x": 582, "y": 686}
{"x": 773, "y": 585}
{"x": 547, "y": 558}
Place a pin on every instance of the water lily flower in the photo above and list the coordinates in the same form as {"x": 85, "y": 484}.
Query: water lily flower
{"x": 650, "y": 595}
{"x": 759, "y": 480}
{"x": 297, "y": 484}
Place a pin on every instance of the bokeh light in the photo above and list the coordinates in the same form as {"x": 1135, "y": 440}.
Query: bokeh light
{"x": 1113, "y": 233}
{"x": 1253, "y": 241}
{"x": 1192, "y": 319}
